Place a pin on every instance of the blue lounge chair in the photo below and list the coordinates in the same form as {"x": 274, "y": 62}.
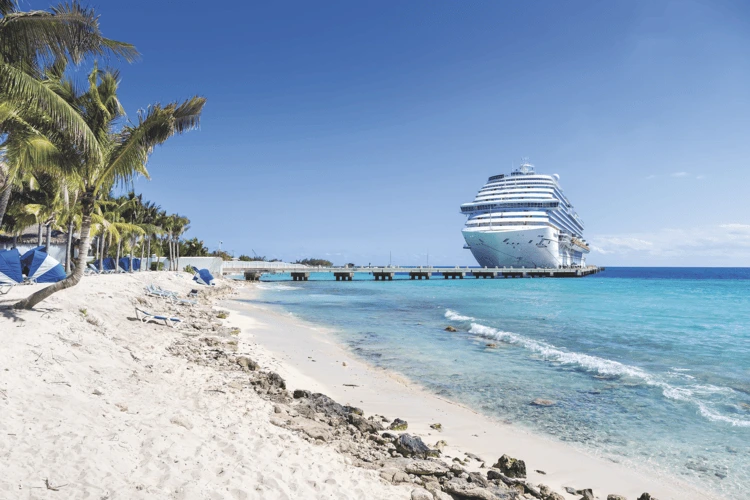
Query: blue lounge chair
{"x": 203, "y": 276}
{"x": 146, "y": 317}
{"x": 92, "y": 269}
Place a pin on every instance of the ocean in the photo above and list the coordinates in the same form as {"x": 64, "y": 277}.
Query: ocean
{"x": 649, "y": 367}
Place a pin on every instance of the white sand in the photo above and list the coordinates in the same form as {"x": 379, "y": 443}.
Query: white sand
{"x": 309, "y": 358}
{"x": 103, "y": 411}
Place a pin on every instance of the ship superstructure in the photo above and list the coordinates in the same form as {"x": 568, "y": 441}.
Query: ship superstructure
{"x": 524, "y": 219}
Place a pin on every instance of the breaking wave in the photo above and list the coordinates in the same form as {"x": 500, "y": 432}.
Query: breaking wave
{"x": 608, "y": 367}
{"x": 454, "y": 316}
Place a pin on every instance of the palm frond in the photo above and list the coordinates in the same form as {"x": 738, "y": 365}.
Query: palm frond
{"x": 24, "y": 89}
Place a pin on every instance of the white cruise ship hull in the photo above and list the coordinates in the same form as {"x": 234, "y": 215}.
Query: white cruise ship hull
{"x": 536, "y": 246}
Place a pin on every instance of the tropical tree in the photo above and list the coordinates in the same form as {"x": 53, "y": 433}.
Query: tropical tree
{"x": 113, "y": 154}
{"x": 31, "y": 44}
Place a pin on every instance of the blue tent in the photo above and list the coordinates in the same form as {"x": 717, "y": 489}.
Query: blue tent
{"x": 125, "y": 263}
{"x": 10, "y": 267}
{"x": 108, "y": 264}
{"x": 203, "y": 276}
{"x": 42, "y": 267}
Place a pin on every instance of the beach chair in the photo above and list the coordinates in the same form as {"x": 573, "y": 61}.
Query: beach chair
{"x": 155, "y": 291}
{"x": 146, "y": 317}
{"x": 92, "y": 269}
{"x": 203, "y": 277}
{"x": 6, "y": 287}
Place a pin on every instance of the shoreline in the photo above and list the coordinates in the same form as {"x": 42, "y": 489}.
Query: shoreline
{"x": 309, "y": 357}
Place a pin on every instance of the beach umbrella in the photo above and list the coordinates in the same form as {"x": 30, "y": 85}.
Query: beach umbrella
{"x": 42, "y": 267}
{"x": 108, "y": 264}
{"x": 125, "y": 263}
{"x": 10, "y": 267}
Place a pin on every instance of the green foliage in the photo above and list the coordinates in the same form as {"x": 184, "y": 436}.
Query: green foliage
{"x": 157, "y": 266}
{"x": 193, "y": 248}
{"x": 257, "y": 258}
{"x": 315, "y": 262}
{"x": 221, "y": 253}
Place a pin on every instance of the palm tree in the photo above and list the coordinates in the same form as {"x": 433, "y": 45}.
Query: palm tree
{"x": 116, "y": 156}
{"x": 31, "y": 44}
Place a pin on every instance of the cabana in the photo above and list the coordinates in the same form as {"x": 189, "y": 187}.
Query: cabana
{"x": 41, "y": 267}
{"x": 11, "y": 272}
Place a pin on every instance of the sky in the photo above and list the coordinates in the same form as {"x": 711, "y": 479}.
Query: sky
{"x": 353, "y": 131}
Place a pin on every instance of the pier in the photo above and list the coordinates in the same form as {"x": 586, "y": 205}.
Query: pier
{"x": 302, "y": 273}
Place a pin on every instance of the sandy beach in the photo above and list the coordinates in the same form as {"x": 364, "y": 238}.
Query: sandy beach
{"x": 95, "y": 404}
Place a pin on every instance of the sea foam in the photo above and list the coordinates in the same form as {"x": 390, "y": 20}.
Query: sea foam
{"x": 454, "y": 316}
{"x": 602, "y": 366}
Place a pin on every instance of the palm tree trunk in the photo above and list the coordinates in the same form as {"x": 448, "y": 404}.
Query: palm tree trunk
{"x": 101, "y": 252}
{"x": 69, "y": 248}
{"x": 148, "y": 256}
{"x": 132, "y": 244}
{"x": 4, "y": 199}
{"x": 117, "y": 259}
{"x": 143, "y": 247}
{"x": 39, "y": 236}
{"x": 87, "y": 207}
{"x": 177, "y": 254}
{"x": 171, "y": 252}
{"x": 49, "y": 237}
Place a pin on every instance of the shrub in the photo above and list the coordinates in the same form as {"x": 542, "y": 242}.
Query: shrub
{"x": 157, "y": 266}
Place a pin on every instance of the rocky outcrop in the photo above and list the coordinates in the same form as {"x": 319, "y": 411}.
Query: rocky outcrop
{"x": 646, "y": 496}
{"x": 247, "y": 364}
{"x": 427, "y": 468}
{"x": 542, "y": 402}
{"x": 399, "y": 425}
{"x": 413, "y": 446}
{"x": 450, "y": 329}
{"x": 511, "y": 467}
{"x": 616, "y": 497}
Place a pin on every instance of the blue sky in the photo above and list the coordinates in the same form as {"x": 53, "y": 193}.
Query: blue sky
{"x": 349, "y": 130}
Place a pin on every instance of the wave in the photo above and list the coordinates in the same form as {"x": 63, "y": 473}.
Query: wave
{"x": 454, "y": 316}
{"x": 608, "y": 367}
{"x": 274, "y": 286}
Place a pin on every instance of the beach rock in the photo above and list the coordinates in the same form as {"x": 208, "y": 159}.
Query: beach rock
{"x": 320, "y": 403}
{"x": 437, "y": 427}
{"x": 588, "y": 494}
{"x": 401, "y": 477}
{"x": 275, "y": 380}
{"x": 511, "y": 467}
{"x": 542, "y": 402}
{"x": 441, "y": 444}
{"x": 450, "y": 329}
{"x": 426, "y": 468}
{"x": 463, "y": 489}
{"x": 616, "y": 497}
{"x": 362, "y": 424}
{"x": 409, "y": 446}
{"x": 399, "y": 425}
{"x": 491, "y": 345}
{"x": 478, "y": 479}
{"x": 301, "y": 394}
{"x": 493, "y": 474}
{"x": 354, "y": 409}
{"x": 421, "y": 494}
{"x": 546, "y": 493}
{"x": 440, "y": 495}
{"x": 646, "y": 496}
{"x": 389, "y": 436}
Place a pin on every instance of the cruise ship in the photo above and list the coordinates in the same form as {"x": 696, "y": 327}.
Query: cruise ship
{"x": 523, "y": 219}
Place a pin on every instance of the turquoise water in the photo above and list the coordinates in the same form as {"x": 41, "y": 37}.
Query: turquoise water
{"x": 645, "y": 366}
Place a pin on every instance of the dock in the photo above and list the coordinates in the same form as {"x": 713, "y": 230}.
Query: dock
{"x": 302, "y": 273}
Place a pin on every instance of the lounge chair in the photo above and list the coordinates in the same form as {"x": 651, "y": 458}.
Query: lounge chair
{"x": 155, "y": 291}
{"x": 203, "y": 277}
{"x": 6, "y": 287}
{"x": 145, "y": 317}
{"x": 92, "y": 269}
